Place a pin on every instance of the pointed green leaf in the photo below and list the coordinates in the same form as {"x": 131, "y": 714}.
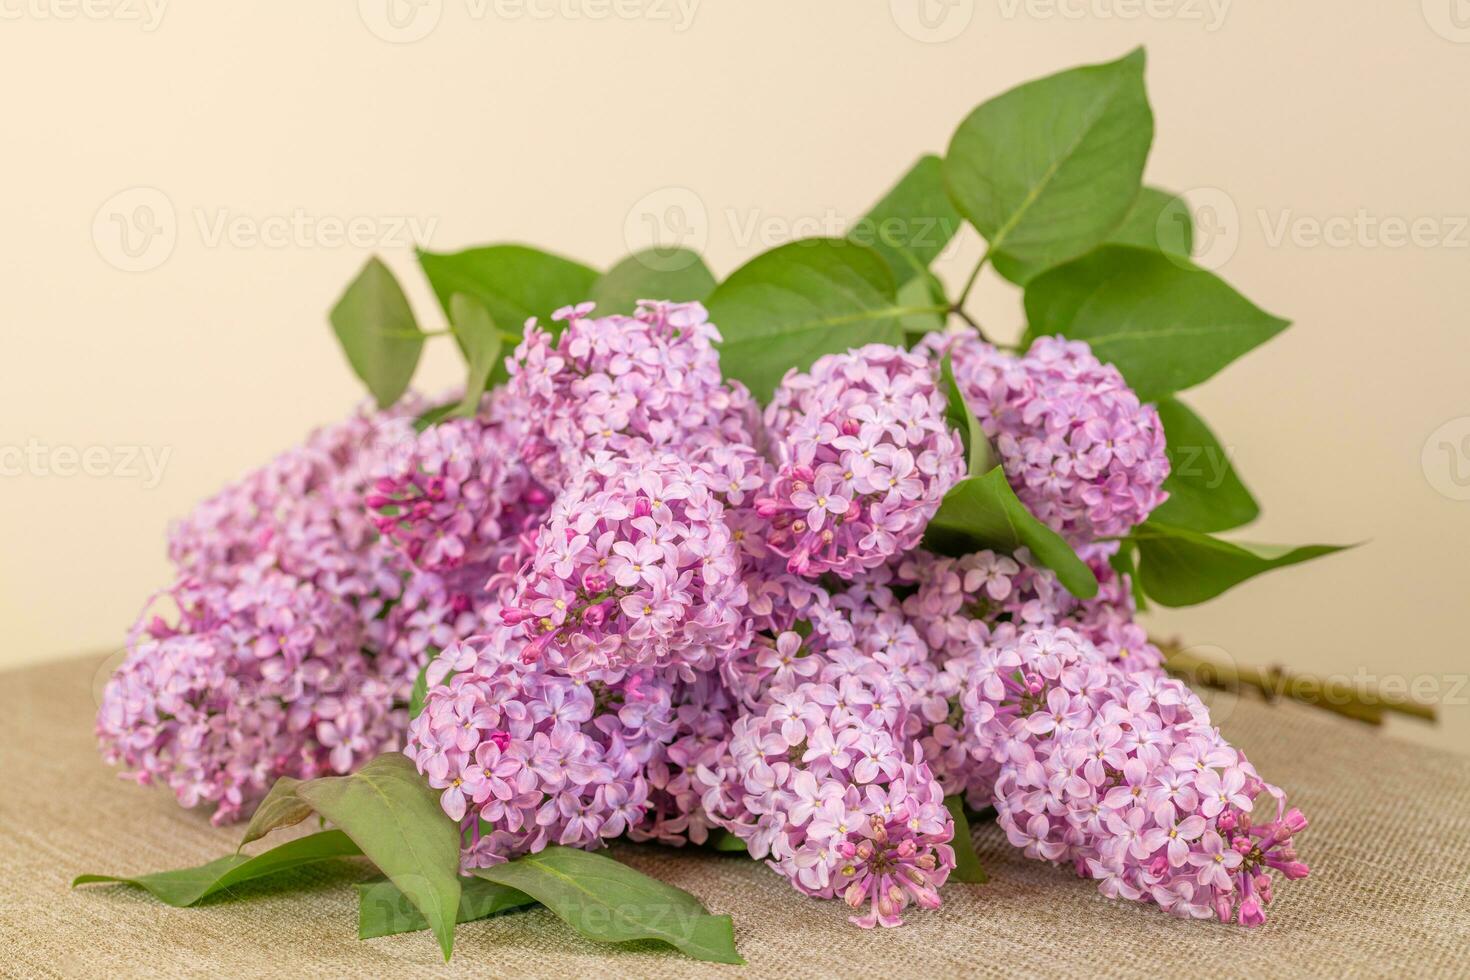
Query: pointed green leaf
{"x": 923, "y": 290}
{"x": 1180, "y": 567}
{"x": 512, "y": 282}
{"x": 375, "y": 326}
{"x": 791, "y": 305}
{"x": 1205, "y": 494}
{"x": 675, "y": 274}
{"x": 723, "y": 840}
{"x": 1047, "y": 170}
{"x": 1157, "y": 220}
{"x": 420, "y": 692}
{"x": 187, "y": 886}
{"x": 280, "y": 808}
{"x": 383, "y": 910}
{"x": 978, "y": 452}
{"x": 393, "y": 815}
{"x": 913, "y": 223}
{"x": 966, "y": 862}
{"x": 1166, "y": 324}
{"x": 481, "y": 341}
{"x": 434, "y": 416}
{"x": 982, "y": 512}
{"x": 608, "y": 902}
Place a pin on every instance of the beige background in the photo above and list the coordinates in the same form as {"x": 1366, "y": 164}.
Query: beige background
{"x": 582, "y": 125}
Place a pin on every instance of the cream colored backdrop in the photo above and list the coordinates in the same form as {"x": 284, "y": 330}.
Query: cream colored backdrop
{"x": 187, "y": 185}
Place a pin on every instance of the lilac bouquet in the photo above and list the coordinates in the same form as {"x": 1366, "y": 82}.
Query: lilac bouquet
{"x": 802, "y": 564}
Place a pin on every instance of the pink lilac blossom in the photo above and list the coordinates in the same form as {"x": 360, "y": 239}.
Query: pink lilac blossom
{"x": 864, "y": 456}
{"x": 634, "y": 566}
{"x": 524, "y": 758}
{"x": 819, "y": 785}
{"x": 1126, "y": 779}
{"x": 608, "y": 384}
{"x": 1082, "y": 452}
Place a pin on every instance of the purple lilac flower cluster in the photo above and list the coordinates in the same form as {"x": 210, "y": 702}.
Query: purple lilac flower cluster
{"x": 647, "y": 610}
{"x": 1083, "y": 453}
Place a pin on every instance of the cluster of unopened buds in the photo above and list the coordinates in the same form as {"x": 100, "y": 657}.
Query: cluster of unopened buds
{"x": 649, "y": 610}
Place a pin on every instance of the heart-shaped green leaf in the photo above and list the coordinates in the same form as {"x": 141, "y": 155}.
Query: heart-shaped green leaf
{"x": 675, "y": 274}
{"x": 1180, "y": 567}
{"x": 1166, "y": 324}
{"x": 377, "y": 331}
{"x": 512, "y": 282}
{"x": 983, "y": 512}
{"x": 1205, "y": 494}
{"x": 1157, "y": 220}
{"x": 1047, "y": 170}
{"x": 608, "y": 902}
{"x": 188, "y": 886}
{"x": 913, "y": 223}
{"x": 481, "y": 341}
{"x": 393, "y": 815}
{"x": 791, "y": 305}
{"x": 383, "y": 910}
{"x": 966, "y": 862}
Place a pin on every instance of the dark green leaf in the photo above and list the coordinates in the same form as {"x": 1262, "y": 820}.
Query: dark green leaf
{"x": 1204, "y": 492}
{"x": 675, "y": 274}
{"x": 1180, "y": 567}
{"x": 982, "y": 512}
{"x": 791, "y": 305}
{"x": 1125, "y": 562}
{"x": 377, "y": 331}
{"x": 966, "y": 862}
{"x": 1047, "y": 170}
{"x": 1166, "y": 324}
{"x": 924, "y": 294}
{"x": 1158, "y": 220}
{"x": 419, "y": 693}
{"x": 957, "y": 412}
{"x": 481, "y": 341}
{"x": 434, "y": 416}
{"x": 512, "y": 282}
{"x": 913, "y": 223}
{"x": 393, "y": 815}
{"x": 608, "y": 902}
{"x": 280, "y": 808}
{"x": 723, "y": 840}
{"x": 190, "y": 885}
{"x": 383, "y": 910}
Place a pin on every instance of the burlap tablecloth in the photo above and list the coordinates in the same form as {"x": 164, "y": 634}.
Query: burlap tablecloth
{"x": 1389, "y": 893}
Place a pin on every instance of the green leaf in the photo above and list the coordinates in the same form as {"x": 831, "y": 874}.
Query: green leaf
{"x": 1180, "y": 567}
{"x": 481, "y": 341}
{"x": 1205, "y": 494}
{"x": 188, "y": 886}
{"x": 966, "y": 862}
{"x": 982, "y": 512}
{"x": 1157, "y": 220}
{"x": 420, "y": 692}
{"x": 913, "y": 223}
{"x": 728, "y": 843}
{"x": 978, "y": 452}
{"x": 791, "y": 305}
{"x": 375, "y": 326}
{"x": 434, "y": 416}
{"x": 393, "y": 815}
{"x": 512, "y": 282}
{"x": 923, "y": 290}
{"x": 675, "y": 274}
{"x": 280, "y": 808}
{"x": 608, "y": 902}
{"x": 1047, "y": 170}
{"x": 1166, "y": 324}
{"x": 383, "y": 910}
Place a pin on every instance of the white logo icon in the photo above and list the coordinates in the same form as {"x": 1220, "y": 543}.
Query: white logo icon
{"x": 932, "y": 21}
{"x": 400, "y": 21}
{"x": 135, "y": 230}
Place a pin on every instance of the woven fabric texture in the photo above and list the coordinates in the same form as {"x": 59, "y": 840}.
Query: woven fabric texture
{"x": 1389, "y": 894}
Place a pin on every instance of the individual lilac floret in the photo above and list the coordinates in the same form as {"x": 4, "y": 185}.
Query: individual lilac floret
{"x": 864, "y": 456}
{"x": 818, "y": 783}
{"x": 1126, "y": 779}
{"x": 634, "y": 567}
{"x": 524, "y": 758}
{"x": 262, "y": 679}
{"x": 1081, "y": 451}
{"x": 610, "y": 383}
